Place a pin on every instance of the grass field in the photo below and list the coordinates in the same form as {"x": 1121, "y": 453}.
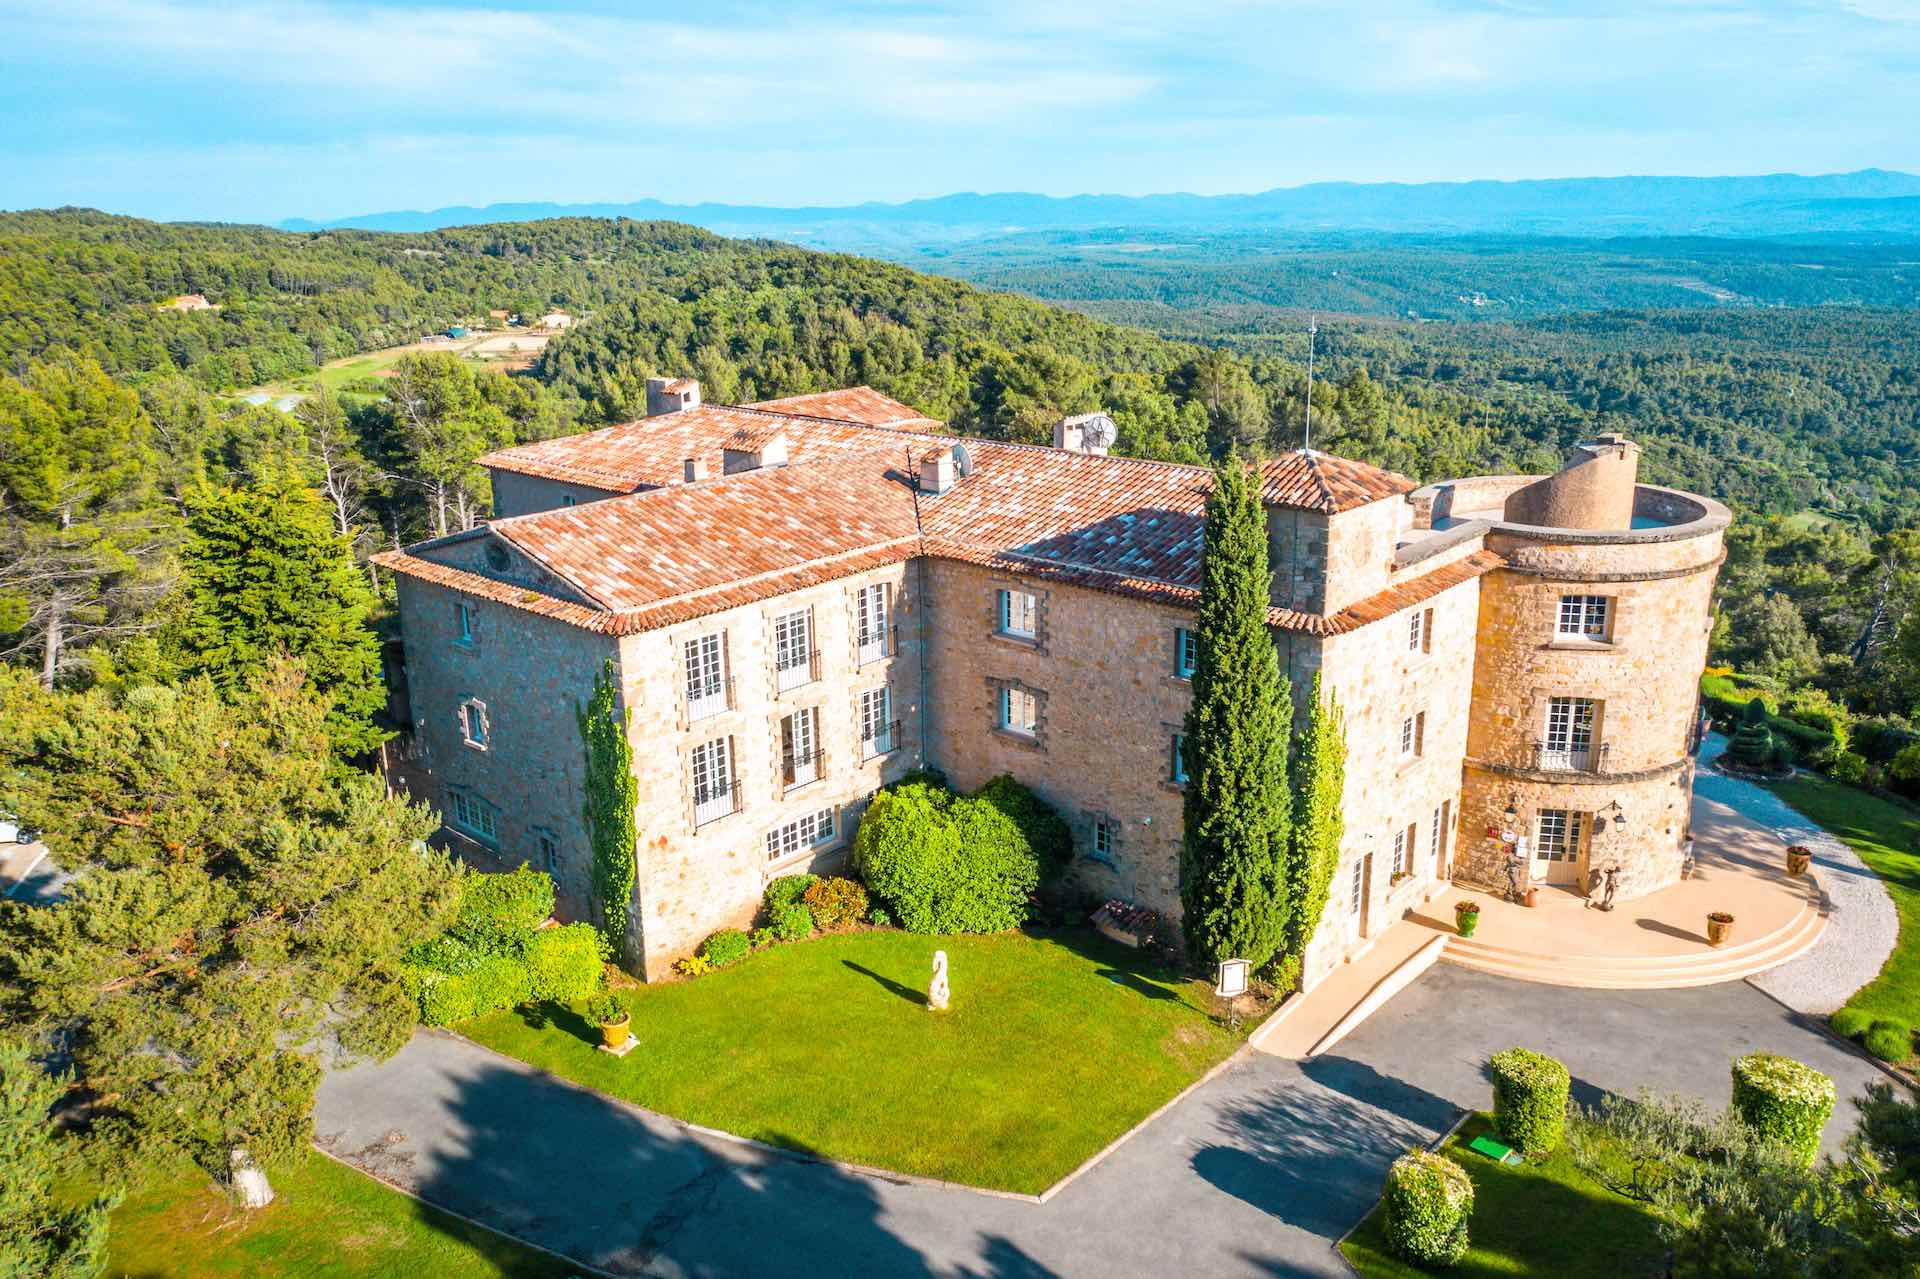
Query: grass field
{"x": 326, "y": 1222}
{"x": 1544, "y": 1218}
{"x": 1051, "y": 1049}
{"x": 1886, "y": 835}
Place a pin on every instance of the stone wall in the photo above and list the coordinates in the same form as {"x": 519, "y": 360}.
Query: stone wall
{"x": 517, "y": 494}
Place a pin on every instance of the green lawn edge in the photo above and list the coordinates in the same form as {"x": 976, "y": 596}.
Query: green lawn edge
{"x": 1542, "y": 1217}
{"x": 1056, "y": 1045}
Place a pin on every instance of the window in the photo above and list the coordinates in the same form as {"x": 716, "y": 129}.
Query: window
{"x": 1019, "y": 711}
{"x": 1584, "y": 617}
{"x": 1019, "y": 614}
{"x": 1433, "y": 837}
{"x": 1417, "y": 632}
{"x": 473, "y": 723}
{"x": 706, "y": 677}
{"x": 1559, "y": 834}
{"x": 1179, "y": 772}
{"x": 1404, "y": 842}
{"x": 800, "y": 748}
{"x": 793, "y": 663}
{"x": 801, "y": 834}
{"x": 466, "y": 624}
{"x": 714, "y": 794}
{"x": 1103, "y": 840}
{"x": 550, "y": 853}
{"x": 566, "y": 499}
{"x": 876, "y": 722}
{"x": 1569, "y": 742}
{"x": 870, "y": 622}
{"x": 1413, "y": 735}
{"x": 1186, "y": 653}
{"x": 474, "y": 816}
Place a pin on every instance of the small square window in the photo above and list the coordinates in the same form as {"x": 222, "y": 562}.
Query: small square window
{"x": 1019, "y": 614}
{"x": 474, "y": 726}
{"x": 1585, "y": 618}
{"x": 1019, "y": 711}
{"x": 566, "y": 499}
{"x": 1186, "y": 653}
{"x": 474, "y": 816}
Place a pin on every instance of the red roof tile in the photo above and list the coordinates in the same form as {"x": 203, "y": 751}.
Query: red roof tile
{"x": 1313, "y": 481}
{"x": 852, "y": 404}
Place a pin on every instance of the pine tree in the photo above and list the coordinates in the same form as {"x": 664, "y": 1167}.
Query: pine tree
{"x": 1319, "y": 783}
{"x": 1233, "y": 854}
{"x": 42, "y": 1235}
{"x": 266, "y": 575}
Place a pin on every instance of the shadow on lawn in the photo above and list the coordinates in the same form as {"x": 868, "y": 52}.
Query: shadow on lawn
{"x": 905, "y": 992}
{"x": 568, "y": 1171}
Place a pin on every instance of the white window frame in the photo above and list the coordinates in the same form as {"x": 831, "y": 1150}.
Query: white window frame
{"x": 706, "y": 677}
{"x": 1413, "y": 735}
{"x": 1568, "y": 744}
{"x": 800, "y": 747}
{"x": 1019, "y": 614}
{"x": 802, "y": 835}
{"x": 1405, "y": 840}
{"x": 1560, "y": 834}
{"x": 476, "y": 725}
{"x": 471, "y": 815}
{"x": 711, "y": 768}
{"x": 876, "y": 722}
{"x": 1186, "y": 652}
{"x": 1103, "y": 841}
{"x": 871, "y": 622}
{"x": 1584, "y": 619}
{"x": 793, "y": 663}
{"x": 1416, "y": 631}
{"x": 1019, "y": 712}
{"x": 1433, "y": 838}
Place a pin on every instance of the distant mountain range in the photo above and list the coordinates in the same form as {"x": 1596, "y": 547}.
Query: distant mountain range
{"x": 1872, "y": 203}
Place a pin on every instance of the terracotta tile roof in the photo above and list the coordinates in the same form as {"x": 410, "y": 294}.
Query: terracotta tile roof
{"x": 853, "y": 404}
{"x": 1322, "y": 482}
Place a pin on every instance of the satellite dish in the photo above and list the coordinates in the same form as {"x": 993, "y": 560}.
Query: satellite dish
{"x": 962, "y": 460}
{"x": 1099, "y": 432}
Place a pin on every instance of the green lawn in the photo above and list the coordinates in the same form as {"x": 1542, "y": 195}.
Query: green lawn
{"x": 1051, "y": 1049}
{"x": 326, "y": 1222}
{"x": 1544, "y": 1218}
{"x": 1885, "y": 834}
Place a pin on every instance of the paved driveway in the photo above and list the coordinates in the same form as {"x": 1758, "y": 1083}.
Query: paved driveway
{"x": 1255, "y": 1174}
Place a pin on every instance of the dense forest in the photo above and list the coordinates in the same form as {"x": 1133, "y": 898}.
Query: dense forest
{"x": 116, "y": 409}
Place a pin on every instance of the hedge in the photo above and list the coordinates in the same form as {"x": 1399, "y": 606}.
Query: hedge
{"x": 1047, "y": 832}
{"x": 492, "y": 956}
{"x": 1851, "y": 1023}
{"x": 786, "y": 891}
{"x": 1428, "y": 1200}
{"x": 1783, "y": 1101}
{"x": 728, "y": 946}
{"x": 1726, "y": 696}
{"x": 836, "y": 903}
{"x": 941, "y": 863}
{"x": 1529, "y": 1099}
{"x": 445, "y": 998}
{"x": 1889, "y": 1039}
{"x": 564, "y": 963}
{"x": 511, "y": 902}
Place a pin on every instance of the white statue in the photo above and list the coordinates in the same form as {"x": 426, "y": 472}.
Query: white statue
{"x": 250, "y": 1185}
{"x": 937, "y": 988}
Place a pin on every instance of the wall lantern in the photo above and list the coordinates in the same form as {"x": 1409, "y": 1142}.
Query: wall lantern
{"x": 1513, "y": 811}
{"x": 1619, "y": 817}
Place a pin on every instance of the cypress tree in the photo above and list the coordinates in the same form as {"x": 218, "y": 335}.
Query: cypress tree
{"x": 47, "y": 1234}
{"x": 1233, "y": 854}
{"x": 1319, "y": 782}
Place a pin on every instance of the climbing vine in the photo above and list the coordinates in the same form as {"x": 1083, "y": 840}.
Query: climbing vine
{"x": 1319, "y": 782}
{"x": 611, "y": 794}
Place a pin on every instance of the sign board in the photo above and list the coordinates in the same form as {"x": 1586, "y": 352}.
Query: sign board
{"x": 1231, "y": 981}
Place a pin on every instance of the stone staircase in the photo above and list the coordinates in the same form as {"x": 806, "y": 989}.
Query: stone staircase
{"x": 1705, "y": 967}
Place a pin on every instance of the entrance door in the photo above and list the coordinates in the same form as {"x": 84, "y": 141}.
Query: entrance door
{"x": 1562, "y": 844}
{"x": 1360, "y": 903}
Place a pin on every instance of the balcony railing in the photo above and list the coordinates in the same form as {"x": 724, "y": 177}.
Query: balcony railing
{"x": 711, "y": 805}
{"x": 875, "y": 645}
{"x": 800, "y": 769}
{"x": 708, "y": 698}
{"x": 879, "y": 740}
{"x": 1570, "y": 759}
{"x": 804, "y": 671}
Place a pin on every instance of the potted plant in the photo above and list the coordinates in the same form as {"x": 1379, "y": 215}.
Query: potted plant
{"x": 612, "y": 1017}
{"x": 1799, "y": 857}
{"x": 1719, "y": 927}
{"x": 1466, "y": 916}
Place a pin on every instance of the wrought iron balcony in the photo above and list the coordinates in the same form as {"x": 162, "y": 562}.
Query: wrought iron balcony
{"x": 879, "y": 739}
{"x": 708, "y": 698}
{"x": 712, "y": 804}
{"x": 801, "y": 672}
{"x": 876, "y": 644}
{"x": 801, "y": 768}
{"x": 1570, "y": 759}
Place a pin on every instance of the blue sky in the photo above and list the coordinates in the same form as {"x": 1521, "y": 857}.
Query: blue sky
{"x": 263, "y": 109}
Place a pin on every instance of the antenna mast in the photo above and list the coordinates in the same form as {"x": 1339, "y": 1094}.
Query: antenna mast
{"x": 1313, "y": 329}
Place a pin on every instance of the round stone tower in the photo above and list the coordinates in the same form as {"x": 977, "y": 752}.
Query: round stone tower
{"x": 1586, "y": 681}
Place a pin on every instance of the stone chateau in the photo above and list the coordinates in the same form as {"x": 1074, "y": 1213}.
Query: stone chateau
{"x": 806, "y": 598}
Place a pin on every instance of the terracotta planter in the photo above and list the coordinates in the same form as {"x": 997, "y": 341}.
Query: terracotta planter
{"x": 614, "y": 1033}
{"x": 1799, "y": 857}
{"x": 1531, "y": 898}
{"x": 1719, "y": 928}
{"x": 1465, "y": 921}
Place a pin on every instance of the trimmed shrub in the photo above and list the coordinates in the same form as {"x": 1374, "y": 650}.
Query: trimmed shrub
{"x": 1905, "y": 767}
{"x": 1889, "y": 1039}
{"x": 564, "y": 963}
{"x": 1783, "y": 1101}
{"x": 836, "y": 903}
{"x": 1851, "y": 1023}
{"x": 793, "y": 923}
{"x": 1529, "y": 1099}
{"x": 1882, "y": 737}
{"x": 692, "y": 966}
{"x": 1428, "y": 1200}
{"x": 761, "y": 938}
{"x": 604, "y": 1010}
{"x": 1817, "y": 709}
{"x": 1847, "y": 767}
{"x": 446, "y": 998}
{"x": 786, "y": 891}
{"x": 516, "y": 901}
{"x": 1047, "y": 833}
{"x": 879, "y": 918}
{"x": 943, "y": 864}
{"x": 728, "y": 946}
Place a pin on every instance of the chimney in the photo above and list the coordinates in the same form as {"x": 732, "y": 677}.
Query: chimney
{"x": 936, "y": 471}
{"x": 1085, "y": 433}
{"x": 751, "y": 454}
{"x": 694, "y": 469}
{"x": 670, "y": 395}
{"x": 1594, "y": 490}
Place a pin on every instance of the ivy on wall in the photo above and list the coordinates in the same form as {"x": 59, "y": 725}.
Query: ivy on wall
{"x": 611, "y": 795}
{"x": 1319, "y": 783}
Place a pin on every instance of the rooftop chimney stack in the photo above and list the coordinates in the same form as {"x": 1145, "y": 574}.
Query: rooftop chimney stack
{"x": 1085, "y": 433}
{"x": 694, "y": 469}
{"x": 670, "y": 395}
{"x": 936, "y": 471}
{"x": 751, "y": 452}
{"x": 1594, "y": 490}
